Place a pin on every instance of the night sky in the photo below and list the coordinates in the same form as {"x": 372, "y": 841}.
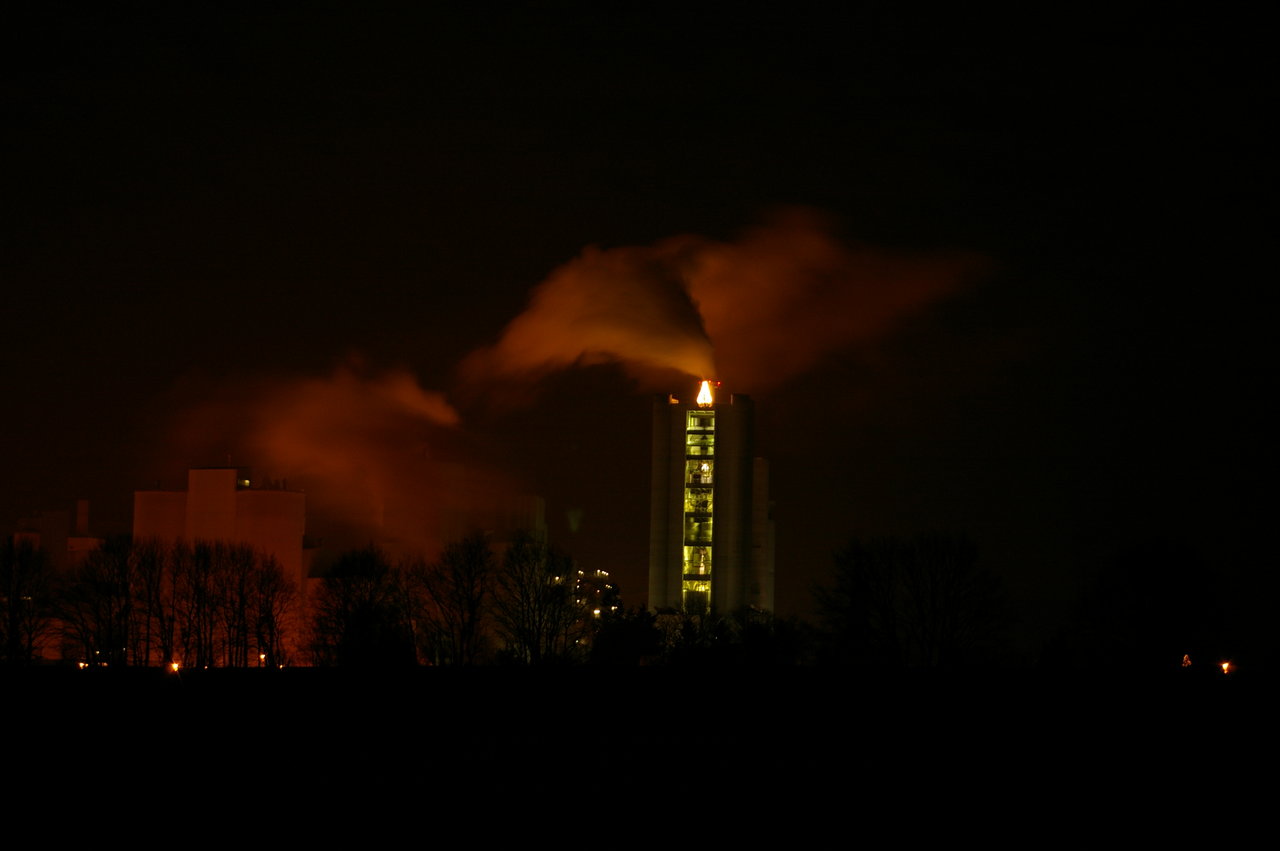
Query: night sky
{"x": 1011, "y": 287}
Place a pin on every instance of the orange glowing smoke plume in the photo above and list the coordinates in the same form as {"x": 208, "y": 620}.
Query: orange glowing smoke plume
{"x": 358, "y": 441}
{"x": 788, "y": 294}
{"x": 625, "y": 305}
{"x": 773, "y": 303}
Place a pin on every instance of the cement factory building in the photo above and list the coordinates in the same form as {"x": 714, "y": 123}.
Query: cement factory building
{"x": 220, "y": 504}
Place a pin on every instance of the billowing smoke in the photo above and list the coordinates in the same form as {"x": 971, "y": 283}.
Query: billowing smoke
{"x": 384, "y": 458}
{"x": 755, "y": 312}
{"x": 347, "y": 428}
{"x": 626, "y": 305}
{"x": 372, "y": 452}
{"x": 787, "y": 294}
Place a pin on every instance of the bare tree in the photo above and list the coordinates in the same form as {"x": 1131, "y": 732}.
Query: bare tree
{"x": 360, "y": 616}
{"x": 231, "y": 605}
{"x": 195, "y": 603}
{"x": 211, "y": 603}
{"x": 535, "y": 607}
{"x": 26, "y": 585}
{"x": 96, "y": 604}
{"x": 153, "y": 594}
{"x": 274, "y": 598}
{"x": 920, "y": 601}
{"x": 455, "y": 594}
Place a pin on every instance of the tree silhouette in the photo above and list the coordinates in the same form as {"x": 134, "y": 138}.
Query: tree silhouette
{"x": 26, "y": 585}
{"x": 202, "y": 605}
{"x": 455, "y": 594}
{"x": 156, "y": 627}
{"x": 272, "y": 603}
{"x": 746, "y": 637}
{"x": 96, "y": 604}
{"x": 921, "y": 601}
{"x": 194, "y": 603}
{"x": 535, "y": 608}
{"x": 361, "y": 614}
{"x": 626, "y": 637}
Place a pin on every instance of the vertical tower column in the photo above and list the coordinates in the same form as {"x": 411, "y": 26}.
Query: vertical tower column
{"x": 698, "y": 554}
{"x": 710, "y": 533}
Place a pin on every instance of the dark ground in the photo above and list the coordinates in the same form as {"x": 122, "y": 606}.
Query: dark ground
{"x": 641, "y": 744}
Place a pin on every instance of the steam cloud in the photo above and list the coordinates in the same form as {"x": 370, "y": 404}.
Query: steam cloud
{"x": 342, "y": 427}
{"x": 367, "y": 447}
{"x": 754, "y": 312}
{"x": 358, "y": 443}
{"x": 626, "y": 305}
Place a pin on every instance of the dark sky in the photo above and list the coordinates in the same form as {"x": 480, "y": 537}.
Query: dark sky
{"x": 203, "y": 200}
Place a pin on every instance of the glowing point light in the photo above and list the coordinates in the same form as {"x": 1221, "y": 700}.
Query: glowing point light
{"x": 704, "y": 395}
{"x": 1226, "y": 667}
{"x": 173, "y": 666}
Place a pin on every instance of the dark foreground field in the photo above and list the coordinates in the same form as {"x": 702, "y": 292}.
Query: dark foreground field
{"x": 640, "y": 742}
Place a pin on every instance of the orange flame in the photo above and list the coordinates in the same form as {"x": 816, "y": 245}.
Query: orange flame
{"x": 704, "y": 395}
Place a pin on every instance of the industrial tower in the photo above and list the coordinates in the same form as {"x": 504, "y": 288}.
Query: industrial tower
{"x": 711, "y": 543}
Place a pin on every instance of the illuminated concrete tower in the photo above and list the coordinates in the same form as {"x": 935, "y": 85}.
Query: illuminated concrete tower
{"x": 711, "y": 532}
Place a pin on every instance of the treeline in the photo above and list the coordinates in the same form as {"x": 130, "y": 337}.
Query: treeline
{"x": 211, "y": 604}
{"x": 912, "y": 602}
{"x": 526, "y": 604}
{"x": 523, "y": 603}
{"x": 206, "y": 604}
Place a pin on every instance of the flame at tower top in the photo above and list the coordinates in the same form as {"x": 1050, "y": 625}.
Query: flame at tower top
{"x": 704, "y": 395}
